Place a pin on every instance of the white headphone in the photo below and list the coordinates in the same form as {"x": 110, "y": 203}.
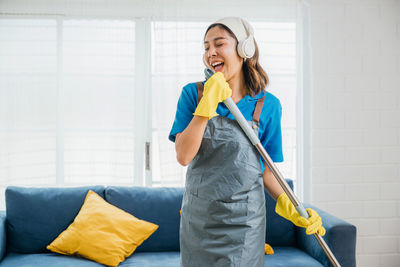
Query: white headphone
{"x": 244, "y": 34}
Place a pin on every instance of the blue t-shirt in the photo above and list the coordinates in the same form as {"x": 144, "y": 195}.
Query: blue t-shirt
{"x": 270, "y": 133}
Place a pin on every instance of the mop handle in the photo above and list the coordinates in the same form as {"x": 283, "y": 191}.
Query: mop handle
{"x": 279, "y": 177}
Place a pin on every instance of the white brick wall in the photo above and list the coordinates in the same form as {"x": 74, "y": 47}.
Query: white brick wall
{"x": 356, "y": 121}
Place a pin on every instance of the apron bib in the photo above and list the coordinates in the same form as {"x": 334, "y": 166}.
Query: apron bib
{"x": 223, "y": 207}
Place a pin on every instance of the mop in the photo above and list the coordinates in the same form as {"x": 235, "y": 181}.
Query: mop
{"x": 279, "y": 177}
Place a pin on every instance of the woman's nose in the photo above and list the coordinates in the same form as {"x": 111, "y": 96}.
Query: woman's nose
{"x": 212, "y": 51}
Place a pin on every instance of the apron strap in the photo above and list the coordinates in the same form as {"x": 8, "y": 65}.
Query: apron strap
{"x": 257, "y": 110}
{"x": 256, "y": 117}
{"x": 200, "y": 88}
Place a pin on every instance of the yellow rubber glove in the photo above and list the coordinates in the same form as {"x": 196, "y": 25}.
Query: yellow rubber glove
{"x": 286, "y": 209}
{"x": 216, "y": 90}
{"x": 268, "y": 249}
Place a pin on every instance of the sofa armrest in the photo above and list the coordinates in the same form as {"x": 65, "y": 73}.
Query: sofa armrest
{"x": 3, "y": 231}
{"x": 340, "y": 237}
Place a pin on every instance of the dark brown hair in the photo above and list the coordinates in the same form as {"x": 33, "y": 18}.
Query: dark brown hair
{"x": 255, "y": 77}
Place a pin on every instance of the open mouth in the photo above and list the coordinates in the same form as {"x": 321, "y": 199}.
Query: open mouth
{"x": 218, "y": 66}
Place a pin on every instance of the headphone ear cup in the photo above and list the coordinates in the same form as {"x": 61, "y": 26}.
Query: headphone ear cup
{"x": 246, "y": 48}
{"x": 249, "y": 47}
{"x": 240, "y": 49}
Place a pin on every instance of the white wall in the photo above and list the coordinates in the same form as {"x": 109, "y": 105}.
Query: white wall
{"x": 356, "y": 121}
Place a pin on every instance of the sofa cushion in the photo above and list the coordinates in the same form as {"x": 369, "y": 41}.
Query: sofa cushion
{"x": 152, "y": 259}
{"x": 36, "y": 216}
{"x": 157, "y": 205}
{"x": 138, "y": 259}
{"x": 283, "y": 257}
{"x": 3, "y": 233}
{"x": 279, "y": 232}
{"x": 45, "y": 260}
{"x": 102, "y": 232}
{"x": 289, "y": 257}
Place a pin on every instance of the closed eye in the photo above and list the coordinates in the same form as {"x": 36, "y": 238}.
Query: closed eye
{"x": 218, "y": 45}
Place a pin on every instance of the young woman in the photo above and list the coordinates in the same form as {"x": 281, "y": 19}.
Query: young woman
{"x": 223, "y": 208}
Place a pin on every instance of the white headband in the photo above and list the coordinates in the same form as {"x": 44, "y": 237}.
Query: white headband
{"x": 236, "y": 25}
{"x": 243, "y": 33}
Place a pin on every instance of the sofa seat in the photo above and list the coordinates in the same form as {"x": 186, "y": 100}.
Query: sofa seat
{"x": 289, "y": 257}
{"x": 152, "y": 259}
{"x": 283, "y": 257}
{"x": 139, "y": 259}
{"x": 45, "y": 259}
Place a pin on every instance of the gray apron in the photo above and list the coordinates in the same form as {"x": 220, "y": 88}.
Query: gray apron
{"x": 223, "y": 208}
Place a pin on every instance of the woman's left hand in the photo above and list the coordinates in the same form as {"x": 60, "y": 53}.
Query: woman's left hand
{"x": 286, "y": 209}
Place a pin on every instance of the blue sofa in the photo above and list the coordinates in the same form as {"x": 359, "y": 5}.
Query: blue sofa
{"x": 34, "y": 217}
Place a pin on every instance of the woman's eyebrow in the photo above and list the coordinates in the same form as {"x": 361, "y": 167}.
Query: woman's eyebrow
{"x": 215, "y": 39}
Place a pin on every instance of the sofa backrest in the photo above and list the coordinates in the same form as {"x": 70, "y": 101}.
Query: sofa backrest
{"x": 279, "y": 232}
{"x": 157, "y": 205}
{"x": 36, "y": 216}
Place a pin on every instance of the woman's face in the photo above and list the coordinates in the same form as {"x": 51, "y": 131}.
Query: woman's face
{"x": 220, "y": 52}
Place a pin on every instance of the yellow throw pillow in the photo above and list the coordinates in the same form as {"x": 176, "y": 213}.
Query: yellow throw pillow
{"x": 102, "y": 232}
{"x": 268, "y": 249}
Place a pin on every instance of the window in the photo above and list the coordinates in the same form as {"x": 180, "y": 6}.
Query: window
{"x": 277, "y": 44}
{"x": 177, "y": 61}
{"x": 66, "y": 102}
{"x": 98, "y": 96}
{"x": 70, "y": 100}
{"x": 28, "y": 101}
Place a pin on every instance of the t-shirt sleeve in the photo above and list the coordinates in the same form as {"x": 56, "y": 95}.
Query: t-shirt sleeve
{"x": 271, "y": 137}
{"x": 186, "y": 106}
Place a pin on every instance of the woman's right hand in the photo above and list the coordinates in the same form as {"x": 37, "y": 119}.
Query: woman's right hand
{"x": 187, "y": 143}
{"x": 216, "y": 90}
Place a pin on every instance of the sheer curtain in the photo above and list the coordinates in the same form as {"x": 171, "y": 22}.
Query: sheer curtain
{"x": 88, "y": 89}
{"x": 67, "y": 97}
{"x": 177, "y": 47}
